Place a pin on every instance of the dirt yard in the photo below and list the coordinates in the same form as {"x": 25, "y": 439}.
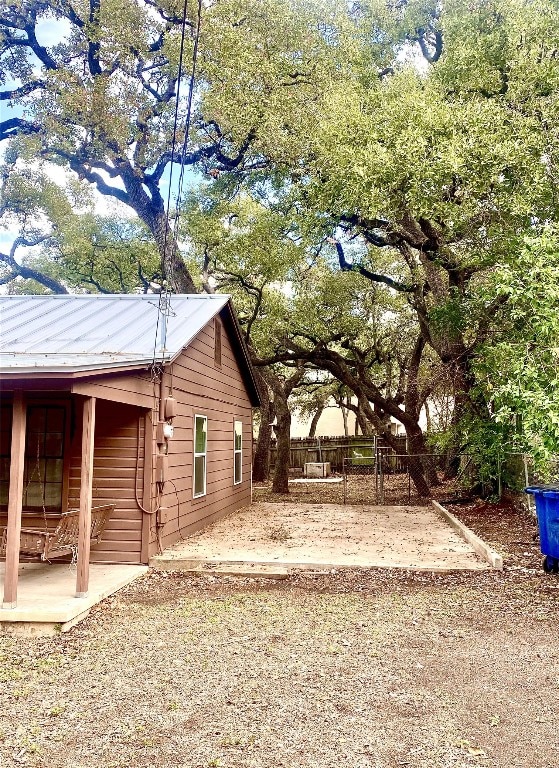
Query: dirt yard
{"x": 370, "y": 669}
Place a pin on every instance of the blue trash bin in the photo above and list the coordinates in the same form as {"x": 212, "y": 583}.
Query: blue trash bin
{"x": 547, "y": 510}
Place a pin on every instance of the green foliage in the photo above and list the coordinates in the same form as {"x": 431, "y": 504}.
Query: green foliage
{"x": 102, "y": 254}
{"x": 250, "y": 249}
{"x": 421, "y": 135}
{"x": 518, "y": 373}
{"x": 75, "y": 247}
{"x": 265, "y": 66}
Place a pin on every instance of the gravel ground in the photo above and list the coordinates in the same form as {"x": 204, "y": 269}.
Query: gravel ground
{"x": 361, "y": 489}
{"x": 348, "y": 669}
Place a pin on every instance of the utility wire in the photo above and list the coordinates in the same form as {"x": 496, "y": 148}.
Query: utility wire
{"x": 164, "y": 307}
{"x": 166, "y": 259}
{"x": 188, "y": 111}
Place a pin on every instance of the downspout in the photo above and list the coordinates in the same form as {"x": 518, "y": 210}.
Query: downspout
{"x": 162, "y": 384}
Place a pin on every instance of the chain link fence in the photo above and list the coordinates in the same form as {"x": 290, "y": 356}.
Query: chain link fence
{"x": 385, "y": 477}
{"x": 519, "y": 470}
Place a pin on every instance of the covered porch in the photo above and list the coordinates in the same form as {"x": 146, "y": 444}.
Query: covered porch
{"x": 46, "y": 601}
{"x": 51, "y": 595}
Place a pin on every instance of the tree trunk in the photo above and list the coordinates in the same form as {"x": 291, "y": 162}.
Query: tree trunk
{"x": 173, "y": 267}
{"x": 344, "y": 417}
{"x": 415, "y": 468}
{"x": 282, "y": 389}
{"x": 315, "y": 420}
{"x": 419, "y": 466}
{"x": 430, "y": 466}
{"x": 261, "y": 462}
{"x": 462, "y": 383}
{"x": 152, "y": 212}
{"x": 283, "y": 442}
{"x": 417, "y": 445}
{"x": 361, "y": 419}
{"x": 368, "y": 394}
{"x": 429, "y": 425}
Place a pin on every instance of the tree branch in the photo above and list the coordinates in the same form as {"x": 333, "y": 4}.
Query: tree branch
{"x": 374, "y": 277}
{"x": 160, "y": 11}
{"x": 94, "y": 46}
{"x": 257, "y": 292}
{"x": 22, "y": 90}
{"x": 230, "y": 163}
{"x": 19, "y": 270}
{"x": 71, "y": 15}
{"x": 79, "y": 167}
{"x": 431, "y": 44}
{"x": 16, "y": 126}
{"x": 40, "y": 51}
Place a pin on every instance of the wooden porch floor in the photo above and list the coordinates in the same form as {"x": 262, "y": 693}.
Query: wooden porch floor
{"x": 46, "y": 602}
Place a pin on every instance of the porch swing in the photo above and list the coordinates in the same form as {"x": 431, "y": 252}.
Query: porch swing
{"x": 63, "y": 540}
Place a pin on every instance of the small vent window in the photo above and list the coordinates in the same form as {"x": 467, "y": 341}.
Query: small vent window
{"x": 217, "y": 342}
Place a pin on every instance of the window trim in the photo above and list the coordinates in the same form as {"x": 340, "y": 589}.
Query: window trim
{"x": 196, "y": 455}
{"x": 237, "y": 451}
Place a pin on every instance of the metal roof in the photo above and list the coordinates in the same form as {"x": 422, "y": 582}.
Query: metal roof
{"x": 68, "y": 333}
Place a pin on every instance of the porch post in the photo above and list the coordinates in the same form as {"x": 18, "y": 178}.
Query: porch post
{"x": 15, "y": 501}
{"x": 86, "y": 479}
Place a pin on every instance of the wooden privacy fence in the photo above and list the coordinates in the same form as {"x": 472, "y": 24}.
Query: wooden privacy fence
{"x": 337, "y": 449}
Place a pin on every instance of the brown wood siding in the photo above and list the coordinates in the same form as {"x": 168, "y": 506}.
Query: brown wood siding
{"x": 217, "y": 392}
{"x": 114, "y": 474}
{"x": 199, "y": 387}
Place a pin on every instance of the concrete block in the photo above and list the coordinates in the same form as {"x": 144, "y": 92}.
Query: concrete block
{"x": 318, "y": 469}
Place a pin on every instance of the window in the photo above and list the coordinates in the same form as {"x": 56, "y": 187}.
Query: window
{"x": 217, "y": 342}
{"x": 43, "y": 471}
{"x": 238, "y": 452}
{"x": 5, "y": 452}
{"x": 200, "y": 450}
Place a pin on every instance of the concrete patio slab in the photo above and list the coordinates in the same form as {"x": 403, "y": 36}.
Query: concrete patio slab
{"x": 46, "y": 602}
{"x": 324, "y": 536}
{"x": 316, "y": 480}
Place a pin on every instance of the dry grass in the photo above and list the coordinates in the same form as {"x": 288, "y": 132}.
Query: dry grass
{"x": 278, "y": 533}
{"x": 374, "y": 669}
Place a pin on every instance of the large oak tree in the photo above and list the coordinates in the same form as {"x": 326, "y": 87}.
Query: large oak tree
{"x": 106, "y": 100}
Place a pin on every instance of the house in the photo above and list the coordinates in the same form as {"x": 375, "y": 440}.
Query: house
{"x": 333, "y": 422}
{"x": 121, "y": 401}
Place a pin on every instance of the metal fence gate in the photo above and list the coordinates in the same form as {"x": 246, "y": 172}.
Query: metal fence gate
{"x": 385, "y": 477}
